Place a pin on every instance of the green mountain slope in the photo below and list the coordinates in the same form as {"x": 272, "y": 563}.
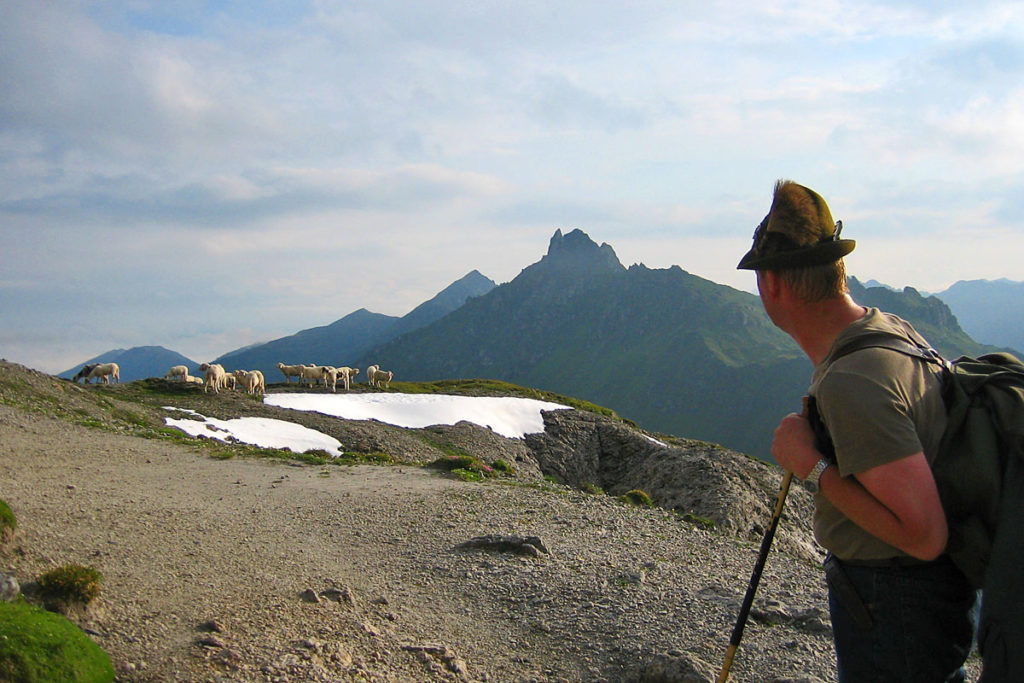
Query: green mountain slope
{"x": 672, "y": 351}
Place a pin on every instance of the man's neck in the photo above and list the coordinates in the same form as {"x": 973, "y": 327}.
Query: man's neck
{"x": 816, "y": 326}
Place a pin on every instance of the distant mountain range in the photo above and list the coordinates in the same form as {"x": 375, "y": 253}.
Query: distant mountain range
{"x": 989, "y": 310}
{"x": 669, "y": 350}
{"x": 138, "y": 362}
{"x": 344, "y": 341}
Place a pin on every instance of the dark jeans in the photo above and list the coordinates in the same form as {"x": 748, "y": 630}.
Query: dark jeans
{"x": 922, "y": 617}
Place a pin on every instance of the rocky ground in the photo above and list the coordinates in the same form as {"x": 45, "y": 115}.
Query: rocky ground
{"x": 257, "y": 569}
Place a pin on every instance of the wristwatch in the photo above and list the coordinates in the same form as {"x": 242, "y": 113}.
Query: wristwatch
{"x": 811, "y": 482}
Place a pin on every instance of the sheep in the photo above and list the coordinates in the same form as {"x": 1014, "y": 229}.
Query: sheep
{"x": 347, "y": 374}
{"x": 312, "y": 374}
{"x": 104, "y": 371}
{"x": 251, "y": 381}
{"x": 261, "y": 382}
{"x": 290, "y": 371}
{"x": 215, "y": 377}
{"x": 381, "y": 378}
{"x": 369, "y": 373}
{"x": 179, "y": 371}
{"x": 329, "y": 376}
{"x": 83, "y": 374}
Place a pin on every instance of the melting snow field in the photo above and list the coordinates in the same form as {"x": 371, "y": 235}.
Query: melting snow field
{"x": 257, "y": 431}
{"x": 511, "y": 417}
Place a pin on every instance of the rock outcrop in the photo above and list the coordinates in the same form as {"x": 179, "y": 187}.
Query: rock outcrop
{"x": 701, "y": 481}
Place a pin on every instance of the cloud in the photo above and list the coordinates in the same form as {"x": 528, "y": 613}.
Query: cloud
{"x": 270, "y": 167}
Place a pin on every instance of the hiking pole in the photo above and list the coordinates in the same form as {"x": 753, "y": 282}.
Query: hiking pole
{"x": 755, "y": 578}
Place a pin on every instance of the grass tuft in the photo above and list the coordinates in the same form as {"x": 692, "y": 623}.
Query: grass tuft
{"x": 8, "y": 522}
{"x": 72, "y": 583}
{"x": 637, "y": 497}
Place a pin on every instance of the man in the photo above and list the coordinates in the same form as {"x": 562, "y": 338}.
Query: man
{"x": 900, "y": 610}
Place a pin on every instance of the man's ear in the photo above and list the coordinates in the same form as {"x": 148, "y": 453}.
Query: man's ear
{"x": 769, "y": 283}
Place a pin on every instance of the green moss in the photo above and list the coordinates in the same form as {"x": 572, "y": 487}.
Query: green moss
{"x": 71, "y": 583}
{"x": 453, "y": 462}
{"x": 37, "y": 646}
{"x": 697, "y": 520}
{"x": 467, "y": 475}
{"x": 465, "y": 467}
{"x": 7, "y": 519}
{"x": 637, "y": 497}
{"x": 503, "y": 467}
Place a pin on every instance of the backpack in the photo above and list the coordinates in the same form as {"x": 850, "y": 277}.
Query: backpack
{"x": 979, "y": 472}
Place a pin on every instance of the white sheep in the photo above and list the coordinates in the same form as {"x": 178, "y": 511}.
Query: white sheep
{"x": 347, "y": 374}
{"x": 312, "y": 374}
{"x": 261, "y": 382}
{"x": 290, "y": 371}
{"x": 251, "y": 381}
{"x": 179, "y": 371}
{"x": 381, "y": 378}
{"x": 330, "y": 377}
{"x": 104, "y": 371}
{"x": 215, "y": 377}
{"x": 369, "y": 373}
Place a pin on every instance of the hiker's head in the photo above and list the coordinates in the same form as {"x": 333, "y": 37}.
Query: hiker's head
{"x": 799, "y": 241}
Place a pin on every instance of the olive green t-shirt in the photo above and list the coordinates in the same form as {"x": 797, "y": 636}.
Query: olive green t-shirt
{"x": 879, "y": 406}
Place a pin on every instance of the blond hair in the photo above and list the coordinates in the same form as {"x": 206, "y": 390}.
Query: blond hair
{"x": 812, "y": 284}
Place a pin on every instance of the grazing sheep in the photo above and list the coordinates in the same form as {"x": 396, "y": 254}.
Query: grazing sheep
{"x": 347, "y": 374}
{"x": 83, "y": 374}
{"x": 381, "y": 378}
{"x": 179, "y": 371}
{"x": 290, "y": 371}
{"x": 104, "y": 371}
{"x": 215, "y": 377}
{"x": 369, "y": 373}
{"x": 312, "y": 374}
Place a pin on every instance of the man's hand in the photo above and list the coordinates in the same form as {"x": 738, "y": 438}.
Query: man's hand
{"x": 793, "y": 446}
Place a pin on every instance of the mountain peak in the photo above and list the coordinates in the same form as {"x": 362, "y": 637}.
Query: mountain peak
{"x": 578, "y": 250}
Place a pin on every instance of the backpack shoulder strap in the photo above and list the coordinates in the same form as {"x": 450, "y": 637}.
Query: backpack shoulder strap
{"x": 893, "y": 342}
{"x": 874, "y": 340}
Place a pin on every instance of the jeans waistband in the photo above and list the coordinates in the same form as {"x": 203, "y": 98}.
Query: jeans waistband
{"x": 893, "y": 562}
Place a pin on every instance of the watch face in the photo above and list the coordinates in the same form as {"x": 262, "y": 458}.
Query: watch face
{"x": 811, "y": 486}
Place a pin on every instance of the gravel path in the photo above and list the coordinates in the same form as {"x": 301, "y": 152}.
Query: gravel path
{"x": 253, "y": 570}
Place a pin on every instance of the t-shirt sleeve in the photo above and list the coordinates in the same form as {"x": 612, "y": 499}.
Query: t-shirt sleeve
{"x": 867, "y": 418}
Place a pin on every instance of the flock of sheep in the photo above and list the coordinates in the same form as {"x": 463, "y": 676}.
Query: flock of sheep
{"x": 330, "y": 375}
{"x": 215, "y": 377}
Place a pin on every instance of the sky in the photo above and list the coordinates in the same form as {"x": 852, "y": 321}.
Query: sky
{"x": 207, "y": 175}
{"x": 510, "y": 417}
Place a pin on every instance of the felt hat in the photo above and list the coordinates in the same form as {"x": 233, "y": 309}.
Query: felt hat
{"x": 797, "y": 232}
